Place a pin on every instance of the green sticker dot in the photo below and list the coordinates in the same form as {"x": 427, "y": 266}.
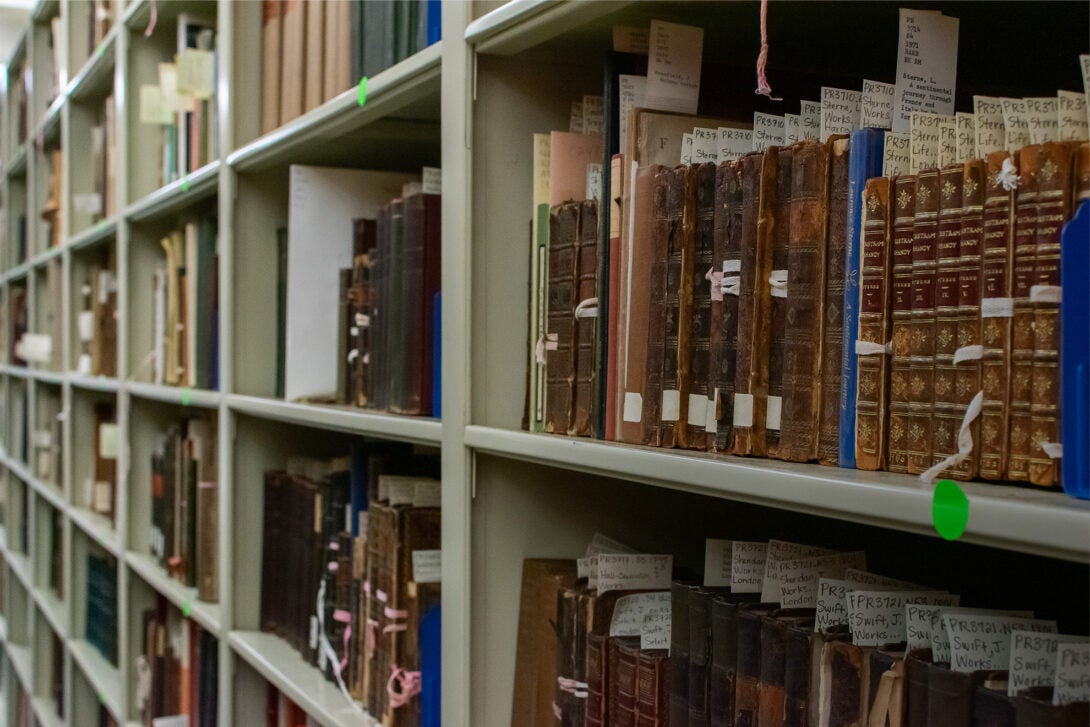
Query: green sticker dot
{"x": 185, "y": 183}
{"x": 102, "y": 698}
{"x": 101, "y": 50}
{"x": 185, "y": 396}
{"x": 186, "y": 609}
{"x": 949, "y": 509}
{"x": 361, "y": 92}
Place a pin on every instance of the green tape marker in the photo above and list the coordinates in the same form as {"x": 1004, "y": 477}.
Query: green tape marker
{"x": 185, "y": 183}
{"x": 949, "y": 509}
{"x": 186, "y": 609}
{"x": 101, "y": 50}
{"x": 185, "y": 396}
{"x": 102, "y": 698}
{"x": 361, "y": 92}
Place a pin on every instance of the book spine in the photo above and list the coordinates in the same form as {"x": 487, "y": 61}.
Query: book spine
{"x": 946, "y": 417}
{"x": 597, "y": 679}
{"x": 802, "y": 383}
{"x": 680, "y": 593}
{"x": 703, "y": 255}
{"x": 1020, "y": 432}
{"x": 967, "y": 374}
{"x": 627, "y": 666}
{"x": 681, "y": 213}
{"x": 872, "y": 376}
{"x": 780, "y": 235}
{"x": 560, "y": 343}
{"x": 652, "y": 668}
{"x": 700, "y": 652}
{"x": 656, "y": 314}
{"x": 922, "y": 346}
{"x": 724, "y": 344}
{"x": 616, "y": 189}
{"x": 829, "y": 434}
{"x": 585, "y": 406}
{"x": 996, "y": 311}
{"x": 903, "y": 205}
{"x": 412, "y": 308}
{"x": 1053, "y": 210}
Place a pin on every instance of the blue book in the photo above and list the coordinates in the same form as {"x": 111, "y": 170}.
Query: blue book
{"x": 357, "y": 482}
{"x": 431, "y": 666}
{"x": 437, "y": 360}
{"x": 435, "y": 27}
{"x": 864, "y": 163}
{"x": 1075, "y": 354}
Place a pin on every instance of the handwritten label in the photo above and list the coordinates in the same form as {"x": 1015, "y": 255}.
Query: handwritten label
{"x": 89, "y": 203}
{"x": 431, "y": 179}
{"x": 779, "y": 550}
{"x": 966, "y": 131}
{"x": 575, "y": 118}
{"x": 792, "y": 128}
{"x": 655, "y": 633}
{"x": 593, "y": 114}
{"x": 840, "y": 110}
{"x": 594, "y": 181}
{"x": 582, "y": 567}
{"x": 810, "y": 119}
{"x": 799, "y": 578}
{"x": 1043, "y": 119}
{"x": 1072, "y": 664}
{"x": 984, "y": 642}
{"x": 152, "y": 108}
{"x": 767, "y": 131}
{"x": 747, "y": 566}
{"x": 940, "y": 640}
{"x": 629, "y": 572}
{"x": 604, "y": 544}
{"x": 734, "y": 143}
{"x": 1033, "y": 660}
{"x": 863, "y": 578}
{"x": 1015, "y": 123}
{"x": 991, "y": 134}
{"x": 717, "y": 562}
{"x": 1071, "y": 116}
{"x": 630, "y": 39}
{"x": 948, "y": 140}
{"x": 428, "y": 566}
{"x": 876, "y": 618}
{"x": 632, "y": 93}
{"x": 686, "y": 158}
{"x": 896, "y": 155}
{"x": 108, "y": 442}
{"x": 196, "y": 73}
{"x": 592, "y": 572}
{"x": 629, "y": 612}
{"x": 832, "y": 603}
{"x": 927, "y": 65}
{"x": 427, "y": 493}
{"x": 673, "y": 67}
{"x": 925, "y": 141}
{"x": 705, "y": 148}
{"x": 1084, "y": 64}
{"x": 876, "y": 105}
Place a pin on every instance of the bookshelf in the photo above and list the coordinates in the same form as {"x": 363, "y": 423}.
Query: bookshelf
{"x": 469, "y": 104}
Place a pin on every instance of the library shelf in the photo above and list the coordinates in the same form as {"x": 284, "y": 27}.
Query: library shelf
{"x": 177, "y": 195}
{"x": 18, "y": 272}
{"x": 1046, "y": 523}
{"x": 94, "y": 233}
{"x": 48, "y": 492}
{"x": 104, "y": 677}
{"x": 50, "y": 126}
{"x": 19, "y": 656}
{"x": 19, "y": 372}
{"x": 422, "y": 430}
{"x": 54, "y": 609}
{"x": 45, "y": 710}
{"x": 182, "y": 596}
{"x": 97, "y": 528}
{"x": 93, "y": 383}
{"x": 20, "y": 566}
{"x": 183, "y": 395}
{"x": 520, "y": 24}
{"x": 302, "y": 683}
{"x": 96, "y": 77}
{"x": 408, "y": 90}
{"x": 17, "y": 166}
{"x": 45, "y": 9}
{"x": 47, "y": 376}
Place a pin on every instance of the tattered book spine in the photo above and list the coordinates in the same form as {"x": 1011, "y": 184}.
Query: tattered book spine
{"x": 586, "y": 323}
{"x": 703, "y": 255}
{"x": 560, "y": 324}
{"x": 656, "y": 312}
{"x": 726, "y": 266}
{"x": 778, "y": 232}
{"x": 678, "y": 334}
{"x": 829, "y": 436}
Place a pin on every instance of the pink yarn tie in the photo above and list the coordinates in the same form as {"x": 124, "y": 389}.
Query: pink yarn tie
{"x": 402, "y": 686}
{"x": 763, "y": 89}
{"x": 154, "y": 19}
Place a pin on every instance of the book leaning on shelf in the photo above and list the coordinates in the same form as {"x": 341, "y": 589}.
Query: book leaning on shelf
{"x": 351, "y": 570}
{"x": 177, "y": 668}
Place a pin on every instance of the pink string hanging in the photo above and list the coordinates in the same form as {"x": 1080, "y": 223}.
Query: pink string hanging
{"x": 763, "y": 89}
{"x": 402, "y": 686}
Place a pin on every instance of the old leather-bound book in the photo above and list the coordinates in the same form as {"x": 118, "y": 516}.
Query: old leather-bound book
{"x": 903, "y": 206}
{"x": 633, "y": 341}
{"x": 104, "y": 307}
{"x": 653, "y": 688}
{"x": 585, "y": 403}
{"x": 677, "y": 352}
{"x": 922, "y": 341}
{"x": 950, "y": 696}
{"x": 726, "y": 265}
{"x": 618, "y": 201}
{"x": 771, "y": 689}
{"x": 829, "y": 437}
{"x": 946, "y": 415}
{"x": 801, "y": 412}
{"x": 844, "y": 681}
{"x": 1024, "y": 273}
{"x": 700, "y": 677}
{"x": 419, "y": 283}
{"x": 724, "y": 656}
{"x": 624, "y": 655}
{"x": 996, "y": 310}
{"x": 747, "y": 677}
{"x": 681, "y": 592}
{"x": 758, "y": 181}
{"x": 597, "y": 713}
{"x": 798, "y": 674}
{"x": 658, "y": 250}
{"x": 363, "y": 245}
{"x": 917, "y": 676}
{"x": 777, "y": 302}
{"x": 703, "y": 179}
{"x": 567, "y": 626}
{"x": 875, "y": 284}
{"x": 885, "y": 688}
{"x": 1054, "y": 204}
{"x": 991, "y": 705}
{"x": 1033, "y": 708}
{"x": 970, "y": 245}
{"x": 560, "y": 324}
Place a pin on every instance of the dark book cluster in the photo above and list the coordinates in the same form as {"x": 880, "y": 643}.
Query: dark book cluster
{"x": 102, "y": 605}
{"x": 179, "y": 664}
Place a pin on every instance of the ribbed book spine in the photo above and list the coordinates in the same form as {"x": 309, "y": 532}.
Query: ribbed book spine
{"x": 922, "y": 346}
{"x": 903, "y": 205}
{"x": 946, "y": 417}
{"x": 833, "y": 334}
{"x": 703, "y": 189}
{"x": 778, "y": 227}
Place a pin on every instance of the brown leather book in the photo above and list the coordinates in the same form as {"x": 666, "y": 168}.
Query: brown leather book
{"x": 950, "y": 696}
{"x": 1054, "y": 206}
{"x": 903, "y": 204}
{"x": 995, "y": 311}
{"x": 922, "y": 342}
{"x": 1024, "y": 273}
{"x": 724, "y": 656}
{"x": 104, "y": 495}
{"x": 653, "y": 688}
{"x": 420, "y": 282}
{"x": 802, "y": 385}
{"x": 875, "y": 284}
{"x": 917, "y": 675}
{"x": 363, "y": 246}
{"x": 292, "y": 59}
{"x": 632, "y": 347}
{"x": 676, "y": 358}
{"x": 771, "y": 690}
{"x": 844, "y": 683}
{"x": 104, "y": 310}
{"x": 271, "y": 28}
{"x": 624, "y": 655}
{"x": 758, "y": 181}
{"x": 746, "y": 690}
{"x": 967, "y": 375}
{"x": 1033, "y": 708}
{"x": 586, "y": 400}
{"x": 798, "y": 677}
{"x": 560, "y": 324}
{"x": 946, "y": 415}
{"x": 991, "y": 705}
{"x": 535, "y": 651}
{"x": 336, "y": 60}
{"x": 703, "y": 255}
{"x": 829, "y": 436}
{"x": 657, "y": 291}
{"x": 781, "y": 236}
{"x": 207, "y": 551}
{"x": 314, "y": 53}
{"x": 726, "y": 265}
{"x": 681, "y": 593}
{"x": 597, "y": 714}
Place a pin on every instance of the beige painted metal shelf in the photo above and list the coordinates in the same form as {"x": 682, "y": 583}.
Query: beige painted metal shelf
{"x": 96, "y": 76}
{"x": 182, "y": 395}
{"x": 97, "y": 528}
{"x": 54, "y": 609}
{"x": 424, "y": 430}
{"x": 177, "y": 195}
{"x": 45, "y": 710}
{"x": 104, "y": 677}
{"x": 183, "y": 597}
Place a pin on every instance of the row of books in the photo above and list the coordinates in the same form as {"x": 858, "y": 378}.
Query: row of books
{"x": 102, "y": 605}
{"x": 178, "y": 669}
{"x": 313, "y": 50}
{"x": 46, "y": 439}
{"x": 358, "y": 285}
{"x": 100, "y": 485}
{"x": 185, "y": 302}
{"x": 351, "y": 575}
{"x": 778, "y": 634}
{"x": 184, "y": 531}
{"x": 97, "y": 318}
{"x": 100, "y": 202}
{"x": 280, "y": 711}
{"x": 51, "y": 211}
